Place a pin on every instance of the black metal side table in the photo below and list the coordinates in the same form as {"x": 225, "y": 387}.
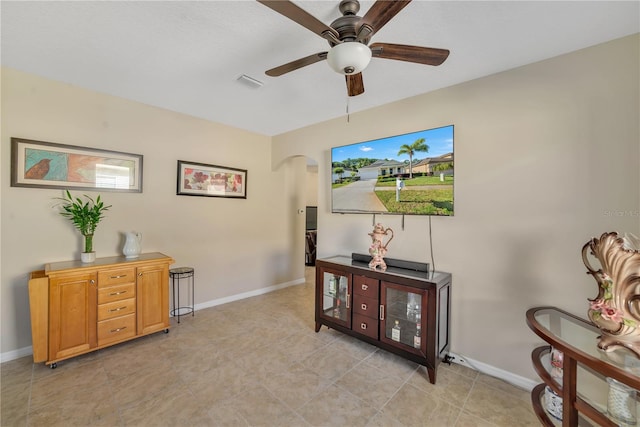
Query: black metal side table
{"x": 177, "y": 274}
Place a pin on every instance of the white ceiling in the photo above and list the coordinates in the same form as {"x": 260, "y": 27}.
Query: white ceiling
{"x": 187, "y": 56}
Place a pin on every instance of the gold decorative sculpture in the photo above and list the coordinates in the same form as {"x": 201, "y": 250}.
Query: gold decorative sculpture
{"x": 616, "y": 308}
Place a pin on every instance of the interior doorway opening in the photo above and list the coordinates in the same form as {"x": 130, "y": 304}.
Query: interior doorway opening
{"x": 311, "y": 213}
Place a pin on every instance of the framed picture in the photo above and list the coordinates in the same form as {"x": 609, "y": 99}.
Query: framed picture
{"x": 41, "y": 164}
{"x": 200, "y": 179}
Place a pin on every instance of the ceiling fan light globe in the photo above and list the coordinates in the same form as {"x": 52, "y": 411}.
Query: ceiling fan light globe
{"x": 349, "y": 57}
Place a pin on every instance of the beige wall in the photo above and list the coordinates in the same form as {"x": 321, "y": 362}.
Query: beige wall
{"x": 312, "y": 185}
{"x": 546, "y": 156}
{"x": 236, "y": 246}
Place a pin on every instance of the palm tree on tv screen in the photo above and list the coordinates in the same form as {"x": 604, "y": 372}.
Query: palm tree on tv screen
{"x": 418, "y": 145}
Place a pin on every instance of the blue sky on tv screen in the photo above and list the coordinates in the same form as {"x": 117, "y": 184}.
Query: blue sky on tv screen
{"x": 439, "y": 140}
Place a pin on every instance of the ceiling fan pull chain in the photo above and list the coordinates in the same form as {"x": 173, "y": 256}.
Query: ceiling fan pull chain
{"x": 347, "y": 109}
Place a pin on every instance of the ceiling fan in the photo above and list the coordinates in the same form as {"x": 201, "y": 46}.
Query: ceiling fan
{"x": 349, "y": 38}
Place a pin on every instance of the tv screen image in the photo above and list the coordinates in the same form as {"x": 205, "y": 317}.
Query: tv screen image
{"x": 408, "y": 174}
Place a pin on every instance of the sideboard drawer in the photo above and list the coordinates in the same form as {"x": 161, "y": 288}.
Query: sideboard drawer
{"x": 365, "y": 306}
{"x": 366, "y": 286}
{"x": 116, "y": 329}
{"x": 116, "y": 308}
{"x": 116, "y": 293}
{"x": 365, "y": 325}
{"x": 116, "y": 276}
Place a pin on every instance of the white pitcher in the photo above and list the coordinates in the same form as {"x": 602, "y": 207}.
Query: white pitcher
{"x": 132, "y": 243}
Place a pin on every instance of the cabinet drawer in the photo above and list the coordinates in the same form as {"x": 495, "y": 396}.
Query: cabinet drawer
{"x": 116, "y": 308}
{"x": 116, "y": 329}
{"x": 116, "y": 276}
{"x": 365, "y": 326}
{"x": 116, "y": 293}
{"x": 366, "y": 286}
{"x": 365, "y": 306}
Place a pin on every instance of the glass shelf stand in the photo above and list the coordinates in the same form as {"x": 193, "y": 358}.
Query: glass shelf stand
{"x": 585, "y": 367}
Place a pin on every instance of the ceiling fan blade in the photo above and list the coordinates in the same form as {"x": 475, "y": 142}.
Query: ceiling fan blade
{"x": 355, "y": 85}
{"x": 377, "y": 16}
{"x": 298, "y": 63}
{"x": 402, "y": 52}
{"x": 302, "y": 17}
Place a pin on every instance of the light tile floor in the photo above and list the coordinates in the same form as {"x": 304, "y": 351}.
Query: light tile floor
{"x": 255, "y": 362}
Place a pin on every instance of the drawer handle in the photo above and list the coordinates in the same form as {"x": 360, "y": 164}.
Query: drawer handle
{"x": 365, "y": 287}
{"x": 118, "y": 329}
{"x": 93, "y": 282}
{"x": 117, "y": 309}
{"x": 363, "y": 306}
{"x": 363, "y": 326}
{"x": 381, "y": 312}
{"x": 118, "y": 277}
{"x": 117, "y": 293}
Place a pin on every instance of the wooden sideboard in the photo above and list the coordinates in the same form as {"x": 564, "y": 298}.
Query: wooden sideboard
{"x": 403, "y": 311}
{"x": 77, "y": 308}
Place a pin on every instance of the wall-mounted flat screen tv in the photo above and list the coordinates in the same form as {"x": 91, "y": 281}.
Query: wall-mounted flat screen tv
{"x": 408, "y": 174}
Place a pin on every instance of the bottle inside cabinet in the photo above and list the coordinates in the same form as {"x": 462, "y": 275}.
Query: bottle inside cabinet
{"x": 404, "y": 315}
{"x": 413, "y": 307}
{"x": 417, "y": 338}
{"x": 395, "y": 331}
{"x": 335, "y": 296}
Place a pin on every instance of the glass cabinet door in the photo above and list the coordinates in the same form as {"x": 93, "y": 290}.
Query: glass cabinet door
{"x": 336, "y": 293}
{"x": 403, "y": 322}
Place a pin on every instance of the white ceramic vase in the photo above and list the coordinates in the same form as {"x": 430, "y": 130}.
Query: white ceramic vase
{"x": 132, "y": 244}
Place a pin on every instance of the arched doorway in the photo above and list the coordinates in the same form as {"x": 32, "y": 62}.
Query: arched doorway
{"x": 311, "y": 212}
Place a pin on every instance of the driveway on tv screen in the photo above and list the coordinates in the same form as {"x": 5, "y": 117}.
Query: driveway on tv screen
{"x": 357, "y": 196}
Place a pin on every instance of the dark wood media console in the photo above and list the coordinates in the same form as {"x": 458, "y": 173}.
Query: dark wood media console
{"x": 403, "y": 311}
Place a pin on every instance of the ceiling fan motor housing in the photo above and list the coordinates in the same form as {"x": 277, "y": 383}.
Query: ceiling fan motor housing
{"x": 347, "y": 25}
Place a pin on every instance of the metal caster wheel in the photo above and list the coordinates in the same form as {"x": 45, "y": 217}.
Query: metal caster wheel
{"x": 166, "y": 331}
{"x": 54, "y": 365}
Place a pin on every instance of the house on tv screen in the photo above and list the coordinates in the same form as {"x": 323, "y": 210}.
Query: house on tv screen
{"x": 431, "y": 165}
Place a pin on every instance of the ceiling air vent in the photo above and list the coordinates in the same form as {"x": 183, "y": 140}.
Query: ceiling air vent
{"x": 250, "y": 81}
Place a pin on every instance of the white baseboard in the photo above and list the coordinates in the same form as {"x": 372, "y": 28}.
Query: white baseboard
{"x": 249, "y": 294}
{"x": 16, "y": 354}
{"x": 511, "y": 378}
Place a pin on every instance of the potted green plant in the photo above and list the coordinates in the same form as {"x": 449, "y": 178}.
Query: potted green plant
{"x": 85, "y": 216}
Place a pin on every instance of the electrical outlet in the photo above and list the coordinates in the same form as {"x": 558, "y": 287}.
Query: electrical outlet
{"x": 455, "y": 358}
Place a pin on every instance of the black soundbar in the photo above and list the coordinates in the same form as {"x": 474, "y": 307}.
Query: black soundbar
{"x": 391, "y": 262}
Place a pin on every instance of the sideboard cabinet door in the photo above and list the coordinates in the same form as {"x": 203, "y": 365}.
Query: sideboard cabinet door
{"x": 72, "y": 314}
{"x": 405, "y": 317}
{"x": 333, "y": 293}
{"x": 152, "y": 298}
